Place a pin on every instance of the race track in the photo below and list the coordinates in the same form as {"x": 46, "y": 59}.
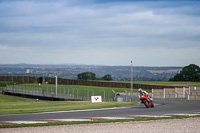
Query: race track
{"x": 161, "y": 108}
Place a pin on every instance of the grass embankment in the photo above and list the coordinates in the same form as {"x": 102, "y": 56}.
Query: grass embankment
{"x": 3, "y": 83}
{"x": 17, "y": 105}
{"x": 164, "y": 83}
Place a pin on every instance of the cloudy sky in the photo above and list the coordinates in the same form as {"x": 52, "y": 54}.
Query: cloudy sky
{"x": 100, "y": 32}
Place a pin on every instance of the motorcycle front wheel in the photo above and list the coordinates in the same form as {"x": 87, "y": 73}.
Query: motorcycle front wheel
{"x": 146, "y": 104}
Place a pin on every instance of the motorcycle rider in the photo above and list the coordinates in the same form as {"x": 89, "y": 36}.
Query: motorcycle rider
{"x": 141, "y": 92}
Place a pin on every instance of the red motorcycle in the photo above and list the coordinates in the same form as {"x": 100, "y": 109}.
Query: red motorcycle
{"x": 146, "y": 100}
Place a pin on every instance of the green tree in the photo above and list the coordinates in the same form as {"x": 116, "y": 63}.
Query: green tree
{"x": 188, "y": 73}
{"x": 107, "y": 77}
{"x": 87, "y": 76}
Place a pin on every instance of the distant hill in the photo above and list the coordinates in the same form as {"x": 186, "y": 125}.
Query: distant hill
{"x": 70, "y": 71}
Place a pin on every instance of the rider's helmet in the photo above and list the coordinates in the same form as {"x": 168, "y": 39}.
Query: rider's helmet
{"x": 140, "y": 90}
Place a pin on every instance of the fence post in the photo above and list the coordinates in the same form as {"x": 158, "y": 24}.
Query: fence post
{"x": 47, "y": 91}
{"x": 60, "y": 91}
{"x": 164, "y": 93}
{"x": 77, "y": 93}
{"x": 56, "y": 85}
{"x": 104, "y": 95}
{"x": 64, "y": 92}
{"x": 152, "y": 93}
{"x": 51, "y": 91}
{"x": 175, "y": 92}
{"x": 87, "y": 94}
{"x": 73, "y": 92}
{"x": 189, "y": 94}
{"x": 195, "y": 88}
{"x": 68, "y": 92}
{"x": 127, "y": 96}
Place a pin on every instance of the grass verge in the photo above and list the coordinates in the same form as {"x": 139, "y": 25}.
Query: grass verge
{"x": 17, "y": 105}
{"x": 167, "y": 83}
{"x": 92, "y": 122}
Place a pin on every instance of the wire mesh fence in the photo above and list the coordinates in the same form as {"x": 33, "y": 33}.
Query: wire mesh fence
{"x": 61, "y": 92}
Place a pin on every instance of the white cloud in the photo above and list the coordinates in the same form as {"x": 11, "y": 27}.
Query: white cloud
{"x": 99, "y": 33}
{"x": 3, "y": 47}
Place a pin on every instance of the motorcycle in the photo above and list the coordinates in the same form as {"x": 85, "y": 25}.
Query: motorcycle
{"x": 146, "y": 100}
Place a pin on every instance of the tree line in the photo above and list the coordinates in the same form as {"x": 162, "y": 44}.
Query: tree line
{"x": 92, "y": 76}
{"x": 188, "y": 73}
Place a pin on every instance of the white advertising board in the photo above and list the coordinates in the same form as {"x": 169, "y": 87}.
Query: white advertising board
{"x": 96, "y": 99}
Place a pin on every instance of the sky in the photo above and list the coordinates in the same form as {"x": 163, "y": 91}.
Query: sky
{"x": 100, "y": 32}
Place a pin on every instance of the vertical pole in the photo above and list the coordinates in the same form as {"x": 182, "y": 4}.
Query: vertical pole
{"x": 68, "y": 92}
{"x": 131, "y": 81}
{"x": 56, "y": 84}
{"x": 73, "y": 92}
{"x": 51, "y": 91}
{"x": 88, "y": 95}
{"x": 64, "y": 92}
{"x": 104, "y": 96}
{"x": 126, "y": 96}
{"x": 195, "y": 88}
{"x": 77, "y": 93}
{"x": 60, "y": 91}
{"x": 184, "y": 92}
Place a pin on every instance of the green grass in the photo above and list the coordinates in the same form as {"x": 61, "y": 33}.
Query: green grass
{"x": 3, "y": 83}
{"x": 17, "y": 105}
{"x": 91, "y": 122}
{"x": 165, "y": 83}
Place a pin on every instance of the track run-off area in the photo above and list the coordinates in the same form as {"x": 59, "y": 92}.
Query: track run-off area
{"x": 161, "y": 109}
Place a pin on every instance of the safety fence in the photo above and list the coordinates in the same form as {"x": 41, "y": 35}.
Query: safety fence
{"x": 67, "y": 93}
{"x": 184, "y": 93}
{"x": 128, "y": 97}
{"x": 73, "y": 93}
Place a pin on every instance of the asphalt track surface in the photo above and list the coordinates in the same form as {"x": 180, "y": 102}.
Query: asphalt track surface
{"x": 161, "y": 108}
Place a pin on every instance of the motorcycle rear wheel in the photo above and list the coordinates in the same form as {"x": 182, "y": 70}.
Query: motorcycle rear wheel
{"x": 152, "y": 105}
